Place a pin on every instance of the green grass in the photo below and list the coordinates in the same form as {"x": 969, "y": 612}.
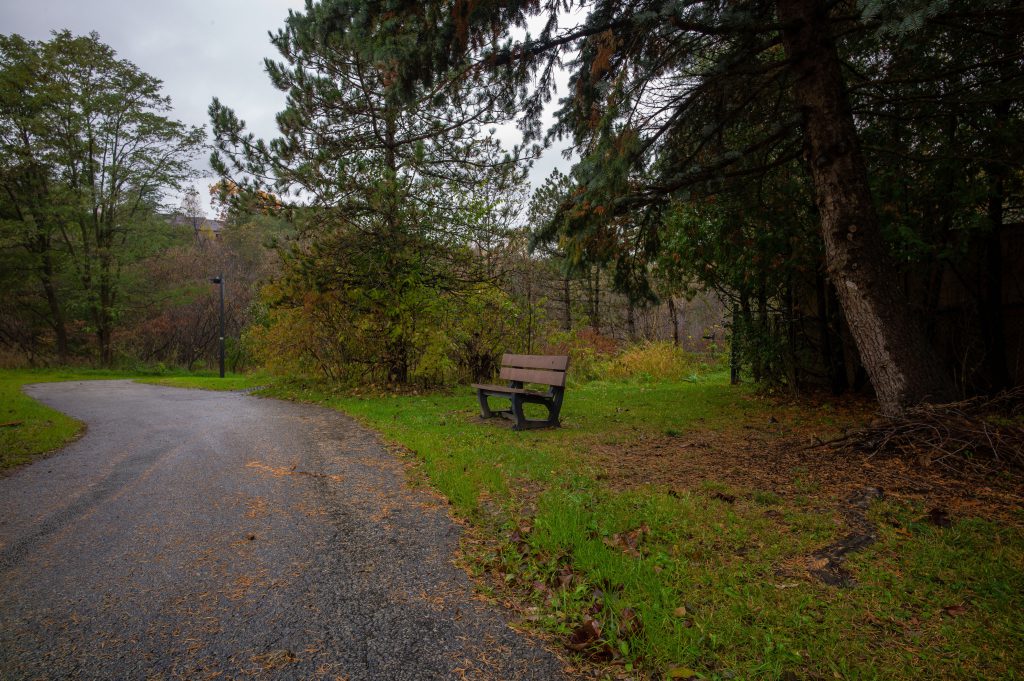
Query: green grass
{"x": 465, "y": 459}
{"x": 208, "y": 381}
{"x": 712, "y": 582}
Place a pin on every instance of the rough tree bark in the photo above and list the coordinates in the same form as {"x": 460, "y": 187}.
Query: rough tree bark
{"x": 903, "y": 367}
{"x": 673, "y": 316}
{"x": 47, "y": 276}
{"x": 993, "y": 322}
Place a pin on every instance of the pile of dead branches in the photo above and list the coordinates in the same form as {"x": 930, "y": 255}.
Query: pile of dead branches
{"x": 984, "y": 433}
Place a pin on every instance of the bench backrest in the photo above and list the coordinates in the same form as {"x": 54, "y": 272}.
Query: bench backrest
{"x": 541, "y": 369}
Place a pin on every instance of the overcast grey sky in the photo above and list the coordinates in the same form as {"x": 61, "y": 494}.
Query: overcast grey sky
{"x": 199, "y": 49}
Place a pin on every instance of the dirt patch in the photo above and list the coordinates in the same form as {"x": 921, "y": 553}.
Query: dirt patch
{"x": 779, "y": 456}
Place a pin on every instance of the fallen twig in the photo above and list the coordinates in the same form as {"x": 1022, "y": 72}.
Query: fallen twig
{"x": 980, "y": 432}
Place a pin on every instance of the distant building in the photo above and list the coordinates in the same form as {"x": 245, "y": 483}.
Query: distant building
{"x": 204, "y": 229}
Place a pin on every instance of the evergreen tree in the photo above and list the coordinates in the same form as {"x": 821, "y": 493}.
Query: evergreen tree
{"x": 673, "y": 101}
{"x": 396, "y": 193}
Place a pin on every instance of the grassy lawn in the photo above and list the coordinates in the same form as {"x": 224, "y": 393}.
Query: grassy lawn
{"x": 669, "y": 530}
{"x": 705, "y": 572}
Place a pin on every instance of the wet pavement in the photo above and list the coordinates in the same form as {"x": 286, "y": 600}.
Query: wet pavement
{"x": 195, "y": 534}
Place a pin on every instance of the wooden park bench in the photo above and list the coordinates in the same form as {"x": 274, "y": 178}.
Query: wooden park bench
{"x": 519, "y": 370}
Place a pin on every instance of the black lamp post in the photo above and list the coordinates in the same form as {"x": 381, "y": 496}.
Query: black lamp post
{"x": 219, "y": 279}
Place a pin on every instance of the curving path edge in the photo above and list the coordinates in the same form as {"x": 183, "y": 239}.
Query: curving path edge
{"x": 195, "y": 534}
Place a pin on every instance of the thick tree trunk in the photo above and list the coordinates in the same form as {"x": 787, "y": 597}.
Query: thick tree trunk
{"x": 993, "y": 322}
{"x": 397, "y": 350}
{"x": 56, "y": 312}
{"x": 901, "y": 363}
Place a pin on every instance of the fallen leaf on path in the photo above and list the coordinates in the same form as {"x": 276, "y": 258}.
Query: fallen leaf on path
{"x": 275, "y": 659}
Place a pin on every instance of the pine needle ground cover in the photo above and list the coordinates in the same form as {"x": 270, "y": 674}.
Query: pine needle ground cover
{"x": 694, "y": 530}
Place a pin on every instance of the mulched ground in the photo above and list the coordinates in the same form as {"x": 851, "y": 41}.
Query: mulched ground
{"x": 780, "y": 454}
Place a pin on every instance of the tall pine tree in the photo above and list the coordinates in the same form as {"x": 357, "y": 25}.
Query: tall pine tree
{"x": 669, "y": 101}
{"x": 394, "y": 189}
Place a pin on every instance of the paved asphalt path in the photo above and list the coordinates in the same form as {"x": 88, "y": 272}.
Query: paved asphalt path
{"x": 198, "y": 535}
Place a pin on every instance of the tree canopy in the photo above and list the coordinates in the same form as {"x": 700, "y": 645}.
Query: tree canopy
{"x": 397, "y": 195}
{"x": 86, "y": 155}
{"x": 671, "y": 103}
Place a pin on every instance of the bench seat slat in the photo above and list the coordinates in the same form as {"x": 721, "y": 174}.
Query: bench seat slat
{"x": 549, "y": 362}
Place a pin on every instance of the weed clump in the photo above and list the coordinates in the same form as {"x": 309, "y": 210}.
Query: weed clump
{"x": 654, "y": 360}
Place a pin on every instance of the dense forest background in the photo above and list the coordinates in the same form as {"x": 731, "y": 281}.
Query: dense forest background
{"x": 813, "y": 191}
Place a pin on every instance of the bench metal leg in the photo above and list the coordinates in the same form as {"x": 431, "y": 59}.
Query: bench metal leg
{"x": 523, "y": 423}
{"x": 517, "y": 411}
{"x": 485, "y": 409}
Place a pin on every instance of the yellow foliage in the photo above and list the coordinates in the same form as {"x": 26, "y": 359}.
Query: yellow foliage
{"x": 658, "y": 360}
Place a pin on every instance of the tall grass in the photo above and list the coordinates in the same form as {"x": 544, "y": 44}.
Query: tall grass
{"x": 594, "y": 357}
{"x": 653, "y": 360}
